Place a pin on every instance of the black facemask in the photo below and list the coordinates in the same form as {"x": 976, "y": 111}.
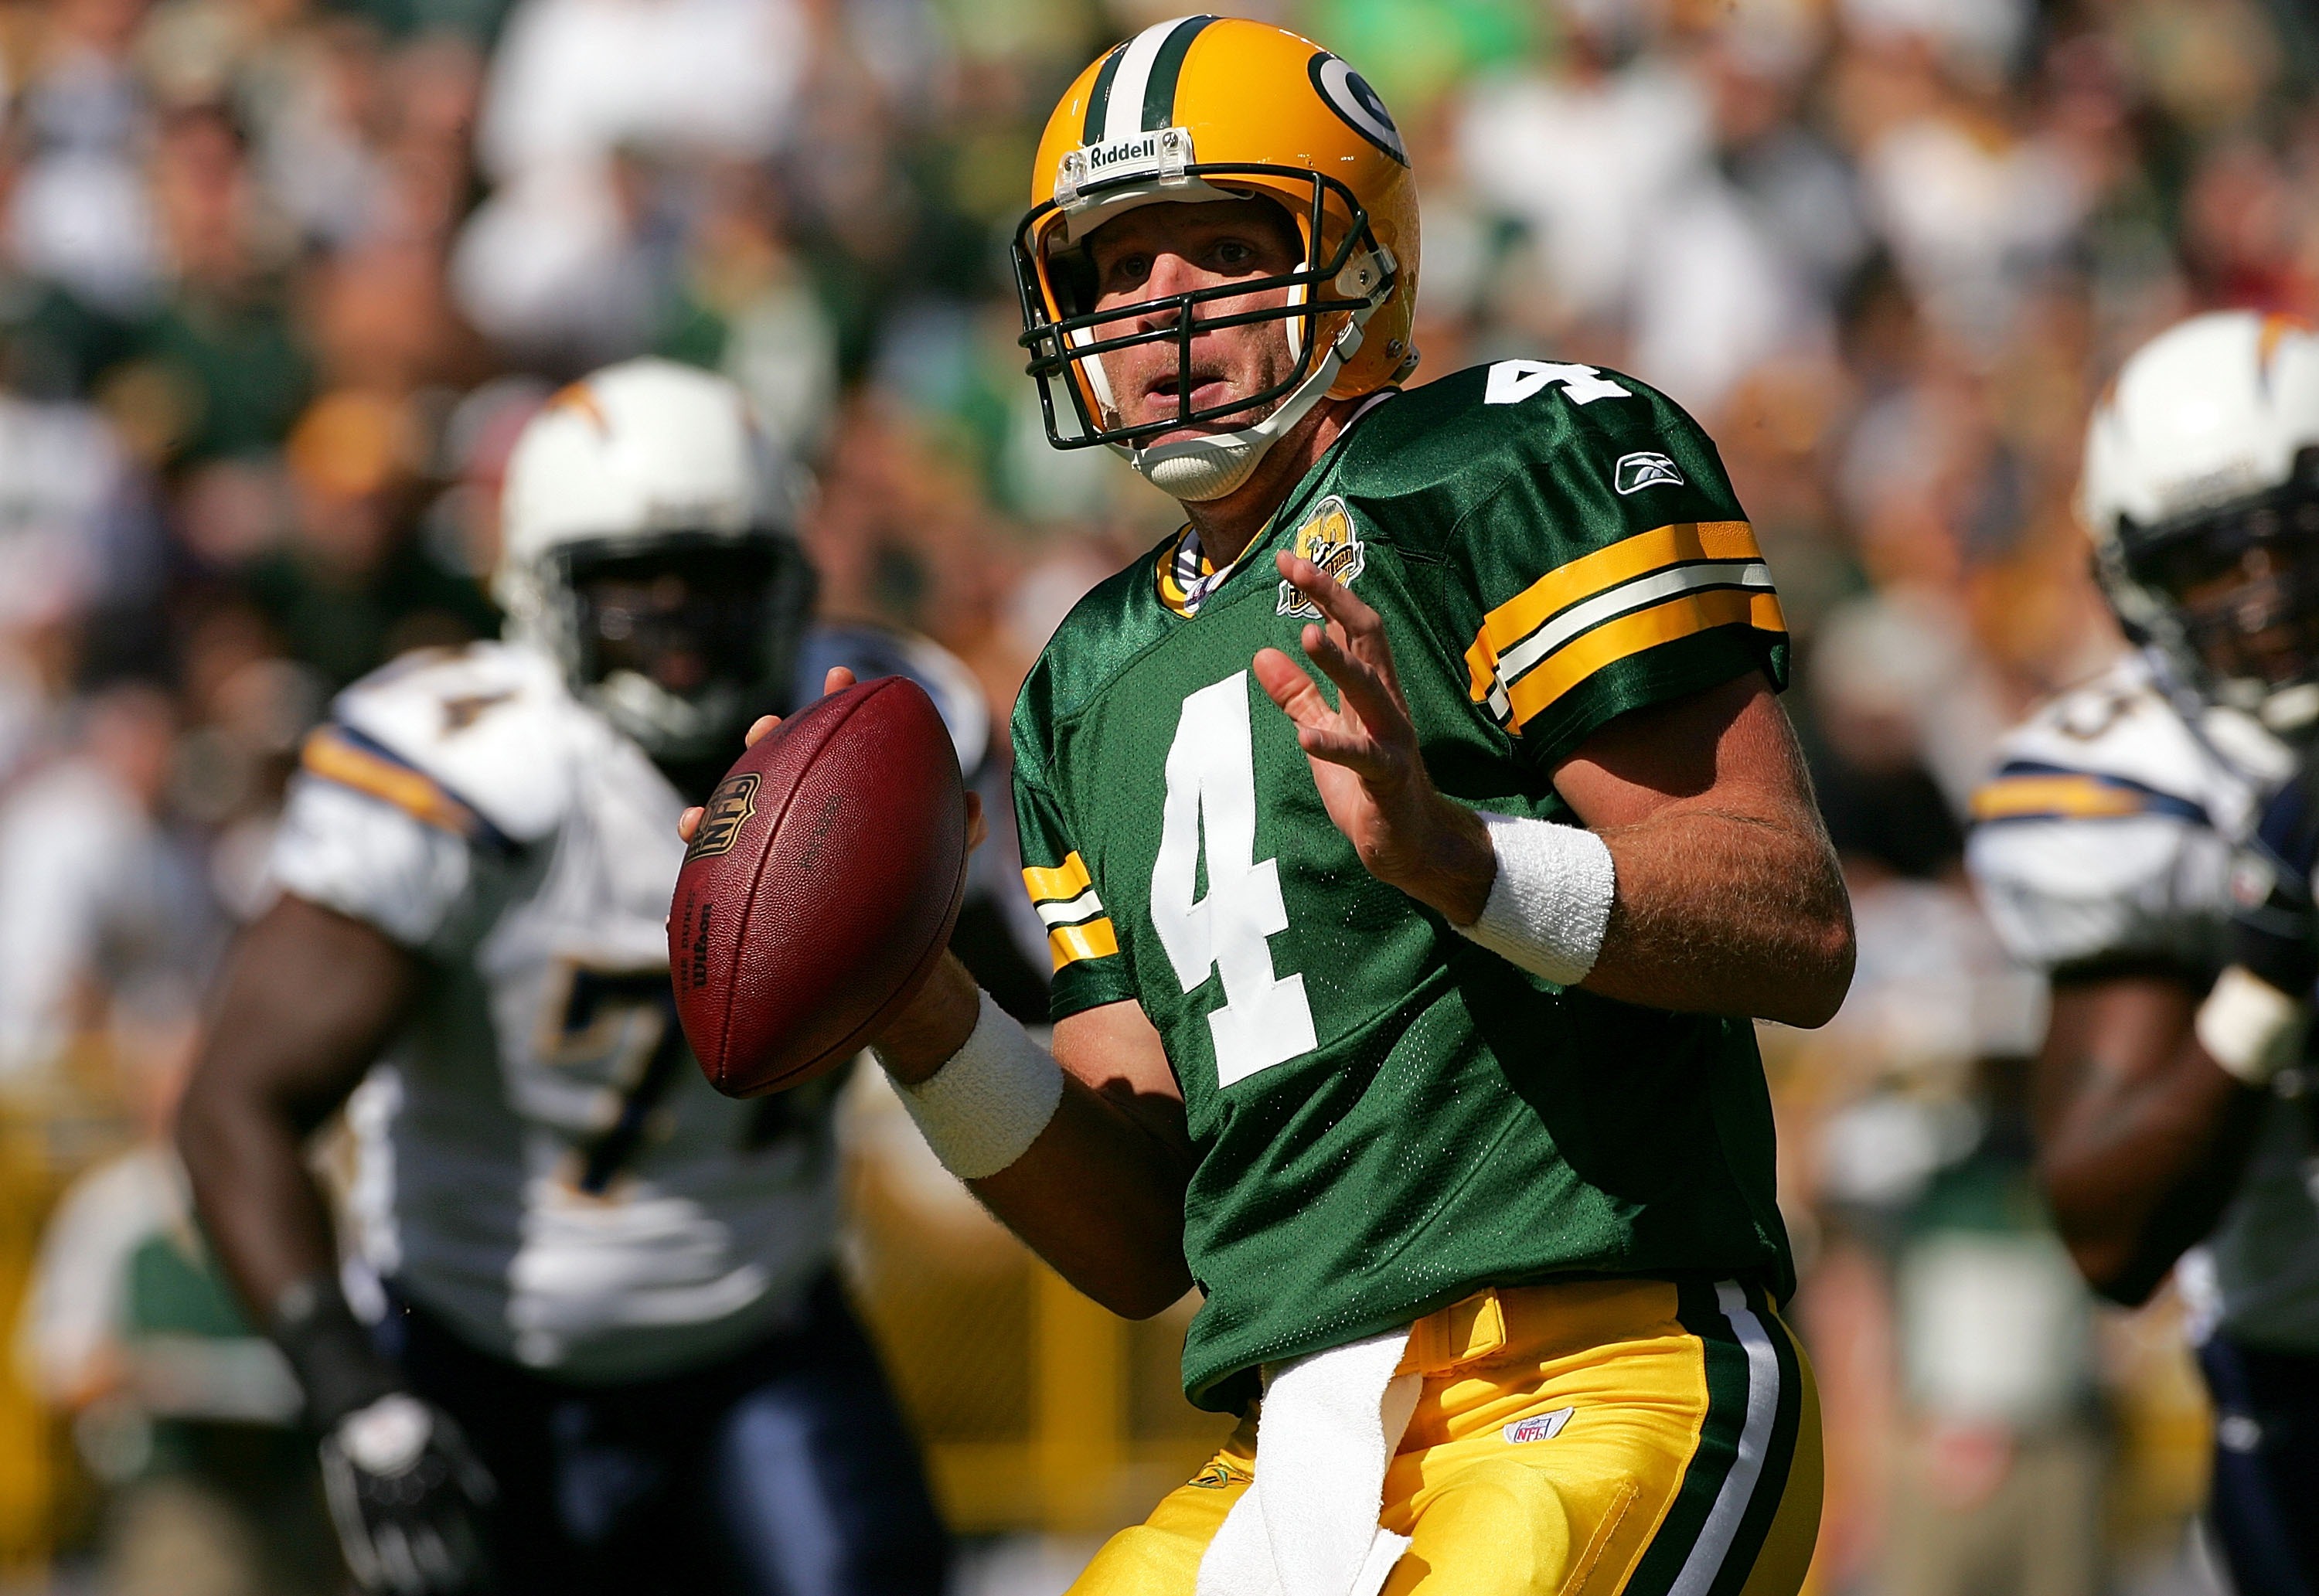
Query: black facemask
{"x": 683, "y": 640}
{"x": 2244, "y": 581}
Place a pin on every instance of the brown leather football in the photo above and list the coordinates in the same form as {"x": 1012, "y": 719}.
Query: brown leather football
{"x": 821, "y": 887}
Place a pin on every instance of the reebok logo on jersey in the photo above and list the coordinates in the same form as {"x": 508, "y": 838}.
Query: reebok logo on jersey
{"x": 1644, "y": 469}
{"x": 1328, "y": 539}
{"x": 733, "y": 802}
{"x": 1539, "y": 1427}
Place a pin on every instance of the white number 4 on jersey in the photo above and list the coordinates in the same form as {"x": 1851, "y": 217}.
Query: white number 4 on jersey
{"x": 1264, "y": 1020}
{"x": 1512, "y": 381}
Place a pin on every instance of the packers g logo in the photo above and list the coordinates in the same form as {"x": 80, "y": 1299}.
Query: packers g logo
{"x": 1329, "y": 540}
{"x": 1348, "y": 93}
{"x": 733, "y": 802}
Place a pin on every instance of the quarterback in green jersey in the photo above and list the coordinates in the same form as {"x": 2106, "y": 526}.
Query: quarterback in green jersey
{"x": 1403, "y": 1010}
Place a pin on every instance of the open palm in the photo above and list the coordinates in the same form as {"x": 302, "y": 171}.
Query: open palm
{"x": 1364, "y": 748}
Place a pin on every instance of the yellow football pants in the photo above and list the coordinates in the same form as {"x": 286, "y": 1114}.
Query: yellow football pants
{"x": 1635, "y": 1438}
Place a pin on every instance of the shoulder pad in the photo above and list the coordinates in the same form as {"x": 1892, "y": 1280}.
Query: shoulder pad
{"x": 2105, "y": 829}
{"x": 2114, "y": 748}
{"x": 1523, "y": 407}
{"x": 478, "y": 740}
{"x": 869, "y": 651}
{"x": 1614, "y": 452}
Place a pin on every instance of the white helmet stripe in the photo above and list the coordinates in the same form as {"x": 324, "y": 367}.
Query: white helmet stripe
{"x": 1123, "y": 110}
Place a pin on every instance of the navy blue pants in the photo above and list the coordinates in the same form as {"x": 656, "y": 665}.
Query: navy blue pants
{"x": 2264, "y": 1506}
{"x": 785, "y": 1471}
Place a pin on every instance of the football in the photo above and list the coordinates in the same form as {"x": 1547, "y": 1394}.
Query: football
{"x": 820, "y": 889}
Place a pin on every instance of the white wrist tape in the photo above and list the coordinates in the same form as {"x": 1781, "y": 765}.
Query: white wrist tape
{"x": 984, "y": 1108}
{"x": 1551, "y": 899}
{"x": 2249, "y": 1027}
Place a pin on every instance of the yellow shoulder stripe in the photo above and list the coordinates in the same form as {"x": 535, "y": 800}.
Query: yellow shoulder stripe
{"x": 1681, "y": 617}
{"x": 2009, "y": 798}
{"x": 1095, "y": 939}
{"x": 1605, "y": 568}
{"x": 329, "y": 754}
{"x": 1580, "y": 617}
{"x": 1065, "y": 880}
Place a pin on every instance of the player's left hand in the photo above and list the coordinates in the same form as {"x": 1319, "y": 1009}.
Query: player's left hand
{"x": 838, "y": 679}
{"x": 1365, "y": 757}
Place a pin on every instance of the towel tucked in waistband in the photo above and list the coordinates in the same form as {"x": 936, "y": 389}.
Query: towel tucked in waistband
{"x": 1307, "y": 1526}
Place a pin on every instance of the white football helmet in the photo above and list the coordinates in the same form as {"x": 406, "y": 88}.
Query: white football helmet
{"x": 645, "y": 543}
{"x": 2201, "y": 491}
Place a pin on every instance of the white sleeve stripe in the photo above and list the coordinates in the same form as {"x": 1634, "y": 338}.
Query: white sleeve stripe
{"x": 1087, "y": 905}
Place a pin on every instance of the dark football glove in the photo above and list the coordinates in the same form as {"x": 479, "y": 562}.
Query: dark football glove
{"x": 404, "y": 1488}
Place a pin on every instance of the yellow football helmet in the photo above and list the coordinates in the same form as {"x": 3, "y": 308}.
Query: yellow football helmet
{"x": 1210, "y": 108}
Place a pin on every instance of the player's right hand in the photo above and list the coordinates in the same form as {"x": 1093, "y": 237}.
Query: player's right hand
{"x": 404, "y": 1490}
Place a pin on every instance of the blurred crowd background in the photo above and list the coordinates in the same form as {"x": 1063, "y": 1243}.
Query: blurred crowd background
{"x": 281, "y": 279}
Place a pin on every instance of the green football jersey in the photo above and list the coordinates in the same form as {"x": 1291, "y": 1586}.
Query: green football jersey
{"x": 1388, "y": 1116}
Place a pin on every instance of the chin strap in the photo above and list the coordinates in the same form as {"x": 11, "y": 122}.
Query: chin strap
{"x": 1193, "y": 470}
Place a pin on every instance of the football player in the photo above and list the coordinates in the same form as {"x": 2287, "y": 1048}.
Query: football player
{"x": 1405, "y": 1012}
{"x": 617, "y": 1358}
{"x": 2105, "y": 853}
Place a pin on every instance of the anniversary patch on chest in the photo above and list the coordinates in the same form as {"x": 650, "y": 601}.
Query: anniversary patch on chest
{"x": 1329, "y": 539}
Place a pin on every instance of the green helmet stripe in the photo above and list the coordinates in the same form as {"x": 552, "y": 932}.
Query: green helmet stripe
{"x": 1099, "y": 97}
{"x": 1160, "y": 89}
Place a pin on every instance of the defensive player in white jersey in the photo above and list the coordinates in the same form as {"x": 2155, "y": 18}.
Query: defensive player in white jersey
{"x": 2127, "y": 845}
{"x": 616, "y": 1359}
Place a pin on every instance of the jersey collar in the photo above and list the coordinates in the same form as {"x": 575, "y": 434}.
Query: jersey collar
{"x": 1185, "y": 576}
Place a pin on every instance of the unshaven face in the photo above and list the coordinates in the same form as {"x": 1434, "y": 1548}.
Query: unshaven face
{"x": 1159, "y": 250}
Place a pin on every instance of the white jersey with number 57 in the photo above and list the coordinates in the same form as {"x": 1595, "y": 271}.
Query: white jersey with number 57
{"x": 541, "y": 1162}
{"x": 2103, "y": 842}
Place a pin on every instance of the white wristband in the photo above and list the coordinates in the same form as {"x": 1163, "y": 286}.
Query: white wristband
{"x": 1551, "y": 900}
{"x": 987, "y": 1105}
{"x": 2249, "y": 1027}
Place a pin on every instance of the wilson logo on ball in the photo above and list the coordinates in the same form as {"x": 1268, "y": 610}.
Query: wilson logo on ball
{"x": 728, "y": 809}
{"x": 799, "y": 934}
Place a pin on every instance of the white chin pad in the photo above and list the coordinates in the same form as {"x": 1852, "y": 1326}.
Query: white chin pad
{"x": 1193, "y": 470}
